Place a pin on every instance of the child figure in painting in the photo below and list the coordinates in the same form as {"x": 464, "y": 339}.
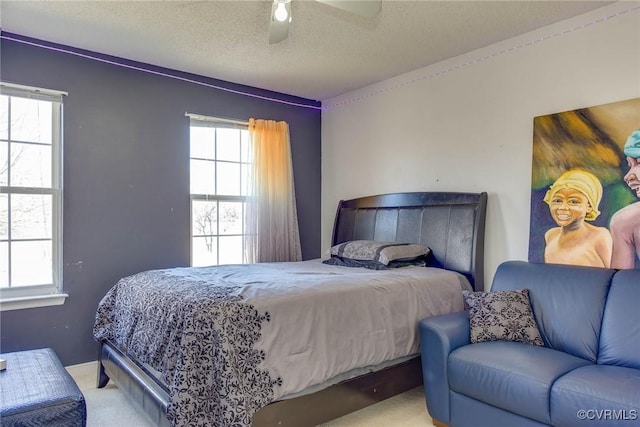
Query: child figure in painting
{"x": 573, "y": 199}
{"x": 625, "y": 224}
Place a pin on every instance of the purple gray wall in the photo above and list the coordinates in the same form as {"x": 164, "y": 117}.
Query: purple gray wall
{"x": 126, "y": 178}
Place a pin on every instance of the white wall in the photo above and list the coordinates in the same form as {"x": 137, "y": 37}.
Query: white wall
{"x": 466, "y": 124}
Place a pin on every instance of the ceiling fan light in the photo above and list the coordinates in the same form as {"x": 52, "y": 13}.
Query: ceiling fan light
{"x": 281, "y": 13}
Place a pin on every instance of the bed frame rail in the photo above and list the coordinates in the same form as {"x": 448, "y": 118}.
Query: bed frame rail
{"x": 303, "y": 411}
{"x": 342, "y": 398}
{"x": 150, "y": 396}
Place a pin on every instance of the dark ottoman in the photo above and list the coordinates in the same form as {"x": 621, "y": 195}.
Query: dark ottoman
{"x": 36, "y": 390}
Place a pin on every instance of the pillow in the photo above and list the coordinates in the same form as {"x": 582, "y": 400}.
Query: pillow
{"x": 381, "y": 252}
{"x": 502, "y": 315}
{"x": 374, "y": 265}
{"x": 377, "y": 255}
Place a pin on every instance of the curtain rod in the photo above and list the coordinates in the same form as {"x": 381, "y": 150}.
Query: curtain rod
{"x": 50, "y": 92}
{"x": 216, "y": 119}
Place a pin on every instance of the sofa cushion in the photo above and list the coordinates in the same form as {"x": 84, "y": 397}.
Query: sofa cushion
{"x": 597, "y": 395}
{"x": 501, "y": 315}
{"x": 567, "y": 302}
{"x": 620, "y": 334}
{"x": 513, "y": 376}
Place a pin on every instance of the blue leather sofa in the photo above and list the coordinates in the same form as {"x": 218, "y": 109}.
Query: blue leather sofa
{"x": 587, "y": 373}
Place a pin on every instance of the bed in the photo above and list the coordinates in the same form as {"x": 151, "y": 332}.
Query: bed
{"x": 242, "y": 373}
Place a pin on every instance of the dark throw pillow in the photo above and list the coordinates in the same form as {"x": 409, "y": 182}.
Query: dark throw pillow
{"x": 382, "y": 252}
{"x": 502, "y": 315}
{"x": 378, "y": 255}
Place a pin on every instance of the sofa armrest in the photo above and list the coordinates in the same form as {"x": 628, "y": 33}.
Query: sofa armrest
{"x": 439, "y": 336}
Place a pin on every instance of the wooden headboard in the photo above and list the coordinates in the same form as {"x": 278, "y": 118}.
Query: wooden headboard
{"x": 451, "y": 224}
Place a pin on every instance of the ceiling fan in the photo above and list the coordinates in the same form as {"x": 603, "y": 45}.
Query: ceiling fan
{"x": 281, "y": 14}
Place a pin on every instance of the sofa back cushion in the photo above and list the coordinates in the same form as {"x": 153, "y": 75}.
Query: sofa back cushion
{"x": 567, "y": 302}
{"x": 620, "y": 334}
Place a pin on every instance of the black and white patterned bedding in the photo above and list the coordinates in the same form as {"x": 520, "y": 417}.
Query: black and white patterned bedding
{"x": 229, "y": 340}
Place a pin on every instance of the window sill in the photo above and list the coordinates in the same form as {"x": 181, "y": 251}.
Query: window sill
{"x": 32, "y": 302}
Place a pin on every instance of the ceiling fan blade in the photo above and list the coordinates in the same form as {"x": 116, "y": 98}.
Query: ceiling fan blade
{"x": 366, "y": 8}
{"x": 279, "y": 30}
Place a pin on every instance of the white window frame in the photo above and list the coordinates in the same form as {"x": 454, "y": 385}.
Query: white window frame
{"x": 20, "y": 297}
{"x": 214, "y": 122}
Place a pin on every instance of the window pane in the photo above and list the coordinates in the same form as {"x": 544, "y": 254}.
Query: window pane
{"x": 205, "y": 251}
{"x": 232, "y": 252}
{"x": 203, "y": 141}
{"x": 228, "y": 179}
{"x": 204, "y": 217}
{"x": 31, "y": 216}
{"x": 4, "y": 217}
{"x": 31, "y": 263}
{"x": 244, "y": 157}
{"x": 231, "y": 220}
{"x": 244, "y": 179}
{"x": 203, "y": 178}
{"x": 4, "y": 117}
{"x": 30, "y": 165}
{"x": 31, "y": 120}
{"x": 4, "y": 264}
{"x": 4, "y": 163}
{"x": 228, "y": 144}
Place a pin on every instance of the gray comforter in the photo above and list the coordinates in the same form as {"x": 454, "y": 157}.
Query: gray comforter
{"x": 229, "y": 340}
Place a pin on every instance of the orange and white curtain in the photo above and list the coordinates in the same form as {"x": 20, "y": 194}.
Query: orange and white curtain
{"x": 271, "y": 218}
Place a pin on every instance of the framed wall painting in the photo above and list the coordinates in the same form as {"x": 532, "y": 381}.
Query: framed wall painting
{"x": 585, "y": 187}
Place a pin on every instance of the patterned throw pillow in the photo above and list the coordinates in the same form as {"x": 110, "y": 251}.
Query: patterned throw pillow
{"x": 502, "y": 315}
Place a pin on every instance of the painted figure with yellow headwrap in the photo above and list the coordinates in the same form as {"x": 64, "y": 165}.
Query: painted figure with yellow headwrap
{"x": 625, "y": 224}
{"x": 573, "y": 199}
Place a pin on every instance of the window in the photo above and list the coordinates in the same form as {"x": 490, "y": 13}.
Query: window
{"x": 30, "y": 197}
{"x": 219, "y": 170}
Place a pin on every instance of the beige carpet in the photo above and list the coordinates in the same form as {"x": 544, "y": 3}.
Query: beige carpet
{"x": 109, "y": 407}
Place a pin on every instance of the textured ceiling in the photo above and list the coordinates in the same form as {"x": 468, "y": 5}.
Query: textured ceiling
{"x": 328, "y": 52}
